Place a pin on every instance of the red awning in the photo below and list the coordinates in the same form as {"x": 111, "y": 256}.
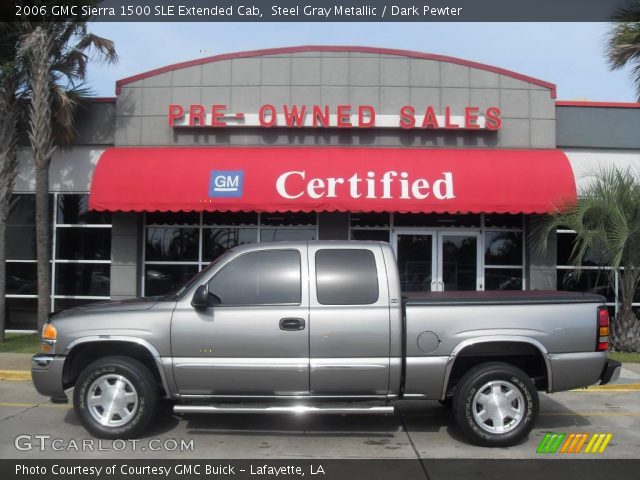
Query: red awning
{"x": 270, "y": 179}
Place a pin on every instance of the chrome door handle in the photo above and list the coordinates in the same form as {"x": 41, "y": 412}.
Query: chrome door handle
{"x": 292, "y": 324}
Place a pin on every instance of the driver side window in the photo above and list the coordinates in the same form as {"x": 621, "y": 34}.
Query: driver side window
{"x": 269, "y": 277}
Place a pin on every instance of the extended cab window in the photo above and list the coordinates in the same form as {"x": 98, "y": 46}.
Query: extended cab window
{"x": 346, "y": 277}
{"x": 259, "y": 278}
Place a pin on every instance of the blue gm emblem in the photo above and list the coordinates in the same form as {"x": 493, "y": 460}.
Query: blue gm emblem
{"x": 226, "y": 183}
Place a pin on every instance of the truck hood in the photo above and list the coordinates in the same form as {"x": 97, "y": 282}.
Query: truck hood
{"x": 130, "y": 305}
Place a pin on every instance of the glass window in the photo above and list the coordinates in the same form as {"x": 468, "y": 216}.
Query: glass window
{"x": 173, "y": 218}
{"x": 503, "y": 248}
{"x": 21, "y": 242}
{"x": 161, "y": 279}
{"x": 229, "y": 218}
{"x": 83, "y": 243}
{"x": 594, "y": 281}
{"x": 565, "y": 247}
{"x": 171, "y": 244}
{"x": 66, "y": 303}
{"x": 74, "y": 209}
{"x": 435, "y": 220}
{"x": 21, "y": 229}
{"x": 288, "y": 218}
{"x": 503, "y": 279}
{"x": 378, "y": 235}
{"x": 259, "y": 278}
{"x": 22, "y": 278}
{"x": 346, "y": 277}
{"x": 287, "y": 234}
{"x": 459, "y": 262}
{"x": 219, "y": 240}
{"x": 22, "y": 313}
{"x": 498, "y": 220}
{"x": 370, "y": 220}
{"x": 82, "y": 279}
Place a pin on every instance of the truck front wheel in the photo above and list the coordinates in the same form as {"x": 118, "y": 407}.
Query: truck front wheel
{"x": 115, "y": 397}
{"x": 496, "y": 404}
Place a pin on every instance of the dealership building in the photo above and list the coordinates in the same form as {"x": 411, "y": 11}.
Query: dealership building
{"x": 449, "y": 160}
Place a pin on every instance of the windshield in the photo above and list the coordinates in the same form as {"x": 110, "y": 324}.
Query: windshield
{"x": 176, "y": 294}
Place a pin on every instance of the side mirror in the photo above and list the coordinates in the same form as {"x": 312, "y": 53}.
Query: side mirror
{"x": 200, "y": 298}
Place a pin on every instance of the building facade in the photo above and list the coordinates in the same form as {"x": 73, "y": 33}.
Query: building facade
{"x": 450, "y": 161}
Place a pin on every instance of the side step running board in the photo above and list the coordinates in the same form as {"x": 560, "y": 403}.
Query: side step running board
{"x": 298, "y": 409}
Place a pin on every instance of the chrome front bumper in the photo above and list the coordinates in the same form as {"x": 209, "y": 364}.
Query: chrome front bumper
{"x": 46, "y": 374}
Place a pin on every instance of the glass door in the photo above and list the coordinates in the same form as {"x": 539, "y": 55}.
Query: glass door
{"x": 436, "y": 261}
{"x": 416, "y": 252}
{"x": 459, "y": 261}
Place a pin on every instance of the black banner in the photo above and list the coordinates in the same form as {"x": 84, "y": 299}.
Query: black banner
{"x": 317, "y": 10}
{"x": 436, "y": 469}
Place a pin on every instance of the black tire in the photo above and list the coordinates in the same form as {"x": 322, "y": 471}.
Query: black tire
{"x": 140, "y": 404}
{"x": 513, "y": 389}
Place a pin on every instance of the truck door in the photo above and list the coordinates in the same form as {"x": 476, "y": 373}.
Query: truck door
{"x": 349, "y": 322}
{"x": 255, "y": 340}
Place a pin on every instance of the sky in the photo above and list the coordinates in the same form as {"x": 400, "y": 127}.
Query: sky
{"x": 571, "y": 55}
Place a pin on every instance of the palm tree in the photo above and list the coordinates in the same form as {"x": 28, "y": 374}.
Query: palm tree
{"x": 57, "y": 56}
{"x": 606, "y": 219}
{"x": 624, "y": 41}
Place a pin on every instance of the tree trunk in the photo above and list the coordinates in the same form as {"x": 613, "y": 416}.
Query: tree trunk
{"x": 43, "y": 243}
{"x": 38, "y": 45}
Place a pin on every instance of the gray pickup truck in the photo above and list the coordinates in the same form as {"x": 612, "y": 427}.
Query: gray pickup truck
{"x": 322, "y": 327}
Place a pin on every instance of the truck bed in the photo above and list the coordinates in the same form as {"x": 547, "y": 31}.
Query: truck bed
{"x": 499, "y": 297}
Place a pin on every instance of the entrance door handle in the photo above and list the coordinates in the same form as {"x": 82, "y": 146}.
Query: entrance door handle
{"x": 292, "y": 324}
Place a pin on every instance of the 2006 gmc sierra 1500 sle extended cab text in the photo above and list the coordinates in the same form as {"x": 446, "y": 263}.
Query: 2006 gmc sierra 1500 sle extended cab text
{"x": 322, "y": 327}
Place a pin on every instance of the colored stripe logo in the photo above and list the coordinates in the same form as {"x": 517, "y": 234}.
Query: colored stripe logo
{"x": 594, "y": 443}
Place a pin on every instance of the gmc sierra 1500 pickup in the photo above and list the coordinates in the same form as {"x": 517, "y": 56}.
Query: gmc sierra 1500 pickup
{"x": 322, "y": 327}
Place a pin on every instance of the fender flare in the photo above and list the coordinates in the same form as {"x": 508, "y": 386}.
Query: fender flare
{"x": 496, "y": 338}
{"x": 123, "y": 338}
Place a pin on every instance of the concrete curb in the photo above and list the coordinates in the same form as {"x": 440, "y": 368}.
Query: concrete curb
{"x": 612, "y": 387}
{"x": 15, "y": 375}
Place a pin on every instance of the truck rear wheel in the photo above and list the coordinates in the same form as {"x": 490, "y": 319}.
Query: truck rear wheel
{"x": 496, "y": 404}
{"x": 115, "y": 397}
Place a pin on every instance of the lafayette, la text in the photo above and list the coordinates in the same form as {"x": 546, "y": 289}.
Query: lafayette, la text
{"x": 263, "y": 470}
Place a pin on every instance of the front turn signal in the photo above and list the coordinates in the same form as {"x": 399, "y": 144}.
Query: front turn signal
{"x": 49, "y": 332}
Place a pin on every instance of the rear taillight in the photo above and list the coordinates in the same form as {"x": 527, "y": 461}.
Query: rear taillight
{"x": 602, "y": 343}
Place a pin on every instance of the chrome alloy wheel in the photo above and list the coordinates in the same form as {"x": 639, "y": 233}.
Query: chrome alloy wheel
{"x": 498, "y": 407}
{"x": 112, "y": 400}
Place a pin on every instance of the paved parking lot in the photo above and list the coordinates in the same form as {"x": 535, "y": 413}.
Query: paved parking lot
{"x": 417, "y": 430}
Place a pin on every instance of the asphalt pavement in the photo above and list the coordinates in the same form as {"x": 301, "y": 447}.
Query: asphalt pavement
{"x": 33, "y": 428}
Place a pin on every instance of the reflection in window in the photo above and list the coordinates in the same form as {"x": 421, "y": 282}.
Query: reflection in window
{"x": 565, "y": 248}
{"x": 83, "y": 243}
{"x": 259, "y": 278}
{"x": 170, "y": 243}
{"x": 82, "y": 279}
{"x": 503, "y": 279}
{"x": 503, "y": 248}
{"x": 219, "y": 240}
{"x": 161, "y": 279}
{"x": 74, "y": 209}
{"x": 594, "y": 281}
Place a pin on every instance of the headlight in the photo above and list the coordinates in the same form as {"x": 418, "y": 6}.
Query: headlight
{"x": 48, "y": 338}
{"x": 49, "y": 332}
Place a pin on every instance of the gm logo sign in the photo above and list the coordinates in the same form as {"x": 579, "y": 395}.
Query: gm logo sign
{"x": 226, "y": 183}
